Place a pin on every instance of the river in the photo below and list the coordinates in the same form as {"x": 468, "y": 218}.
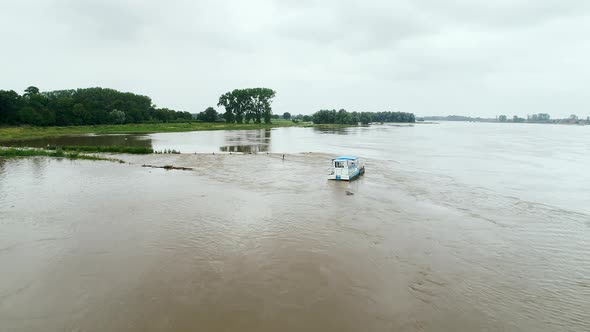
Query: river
{"x": 455, "y": 226}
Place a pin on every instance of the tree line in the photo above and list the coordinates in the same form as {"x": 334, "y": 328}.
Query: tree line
{"x": 534, "y": 118}
{"x": 91, "y": 106}
{"x": 344, "y": 117}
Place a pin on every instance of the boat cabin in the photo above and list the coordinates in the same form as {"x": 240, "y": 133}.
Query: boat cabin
{"x": 346, "y": 168}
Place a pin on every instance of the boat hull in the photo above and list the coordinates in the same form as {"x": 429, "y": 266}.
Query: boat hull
{"x": 348, "y": 177}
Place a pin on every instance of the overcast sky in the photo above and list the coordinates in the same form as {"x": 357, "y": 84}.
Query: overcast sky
{"x": 472, "y": 57}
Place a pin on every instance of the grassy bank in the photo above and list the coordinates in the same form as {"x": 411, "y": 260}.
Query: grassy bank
{"x": 27, "y": 133}
{"x": 16, "y": 153}
{"x": 104, "y": 149}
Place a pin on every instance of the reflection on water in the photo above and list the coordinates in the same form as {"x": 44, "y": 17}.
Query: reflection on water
{"x": 250, "y": 141}
{"x": 86, "y": 140}
{"x": 334, "y": 131}
{"x": 245, "y": 148}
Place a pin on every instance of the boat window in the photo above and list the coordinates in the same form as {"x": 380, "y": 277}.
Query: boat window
{"x": 339, "y": 164}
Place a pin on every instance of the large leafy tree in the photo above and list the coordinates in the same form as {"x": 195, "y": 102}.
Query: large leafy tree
{"x": 31, "y": 91}
{"x": 227, "y": 101}
{"x": 10, "y": 103}
{"x": 247, "y": 104}
{"x": 209, "y": 115}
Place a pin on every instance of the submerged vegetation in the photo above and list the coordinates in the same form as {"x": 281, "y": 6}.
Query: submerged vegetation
{"x": 167, "y": 151}
{"x": 104, "y": 149}
{"x": 15, "y": 153}
{"x": 169, "y": 167}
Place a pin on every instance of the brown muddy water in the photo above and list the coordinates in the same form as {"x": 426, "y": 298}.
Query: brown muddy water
{"x": 257, "y": 243}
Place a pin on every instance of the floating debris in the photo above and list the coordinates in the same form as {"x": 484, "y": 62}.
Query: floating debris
{"x": 167, "y": 151}
{"x": 348, "y": 193}
{"x": 169, "y": 167}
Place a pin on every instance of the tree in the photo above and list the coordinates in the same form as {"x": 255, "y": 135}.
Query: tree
{"x": 10, "y": 103}
{"x": 28, "y": 115}
{"x": 516, "y": 119}
{"x": 30, "y": 91}
{"x": 544, "y": 117}
{"x": 324, "y": 117}
{"x": 227, "y": 100}
{"x": 354, "y": 118}
{"x": 365, "y": 118}
{"x": 117, "y": 117}
{"x": 81, "y": 107}
{"x": 344, "y": 117}
{"x": 209, "y": 115}
{"x": 247, "y": 104}
{"x": 502, "y": 118}
{"x": 287, "y": 116}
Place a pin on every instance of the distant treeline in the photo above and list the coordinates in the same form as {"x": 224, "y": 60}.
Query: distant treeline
{"x": 448, "y": 118}
{"x": 92, "y": 106}
{"x": 534, "y": 118}
{"x": 344, "y": 117}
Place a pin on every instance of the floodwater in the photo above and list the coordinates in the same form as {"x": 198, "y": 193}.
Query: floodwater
{"x": 86, "y": 140}
{"x": 454, "y": 227}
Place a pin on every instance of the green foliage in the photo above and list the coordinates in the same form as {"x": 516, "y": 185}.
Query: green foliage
{"x": 541, "y": 117}
{"x": 344, "y": 117}
{"x": 287, "y": 116}
{"x": 502, "y": 118}
{"x": 324, "y": 117}
{"x": 92, "y": 106}
{"x": 31, "y": 91}
{"x": 117, "y": 117}
{"x": 104, "y": 149}
{"x": 209, "y": 115}
{"x": 516, "y": 119}
{"x": 10, "y": 104}
{"x": 245, "y": 105}
{"x": 15, "y": 153}
{"x": 21, "y": 133}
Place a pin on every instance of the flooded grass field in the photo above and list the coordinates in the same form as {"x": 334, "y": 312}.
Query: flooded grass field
{"x": 454, "y": 227}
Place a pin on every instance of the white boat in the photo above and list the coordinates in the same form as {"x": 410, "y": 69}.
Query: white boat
{"x": 346, "y": 168}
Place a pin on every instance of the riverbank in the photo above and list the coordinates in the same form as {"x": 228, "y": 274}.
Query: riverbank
{"x": 58, "y": 153}
{"x": 28, "y": 132}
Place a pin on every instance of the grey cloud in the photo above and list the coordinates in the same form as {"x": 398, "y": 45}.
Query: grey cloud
{"x": 353, "y": 25}
{"x": 504, "y": 13}
{"x": 104, "y": 20}
{"x": 426, "y": 56}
